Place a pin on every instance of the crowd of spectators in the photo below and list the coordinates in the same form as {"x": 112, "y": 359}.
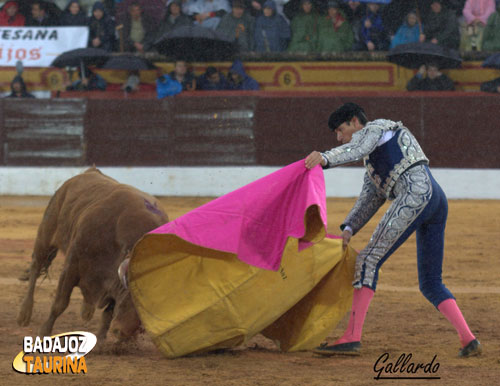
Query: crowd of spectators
{"x": 295, "y": 26}
{"x": 305, "y": 26}
{"x": 181, "y": 78}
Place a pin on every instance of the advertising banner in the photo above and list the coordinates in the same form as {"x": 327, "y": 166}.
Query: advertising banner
{"x": 38, "y": 46}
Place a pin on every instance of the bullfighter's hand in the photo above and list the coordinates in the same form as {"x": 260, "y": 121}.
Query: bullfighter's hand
{"x": 313, "y": 159}
{"x": 346, "y": 238}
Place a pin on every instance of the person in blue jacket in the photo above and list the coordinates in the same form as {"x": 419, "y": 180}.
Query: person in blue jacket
{"x": 410, "y": 31}
{"x": 238, "y": 79}
{"x": 272, "y": 32}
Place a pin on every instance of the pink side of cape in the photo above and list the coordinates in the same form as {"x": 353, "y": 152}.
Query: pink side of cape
{"x": 254, "y": 221}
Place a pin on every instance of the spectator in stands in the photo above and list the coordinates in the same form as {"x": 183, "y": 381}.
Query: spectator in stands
{"x": 272, "y": 32}
{"x": 166, "y": 86}
{"x": 174, "y": 17}
{"x": 372, "y": 35}
{"x": 138, "y": 30}
{"x": 292, "y": 8}
{"x": 182, "y": 74}
{"x": 491, "y": 34}
{"x": 101, "y": 28}
{"x": 88, "y": 6}
{"x": 304, "y": 29}
{"x": 429, "y": 78}
{"x": 207, "y": 13}
{"x": 10, "y": 16}
{"x": 441, "y": 26}
{"x": 410, "y": 31}
{"x": 354, "y": 12}
{"x": 18, "y": 88}
{"x": 88, "y": 81}
{"x": 280, "y": 8}
{"x": 40, "y": 16}
{"x": 238, "y": 26}
{"x": 212, "y": 80}
{"x": 335, "y": 32}
{"x": 238, "y": 79}
{"x": 254, "y": 7}
{"x": 475, "y": 17}
{"x": 491, "y": 86}
{"x": 73, "y": 15}
{"x": 133, "y": 81}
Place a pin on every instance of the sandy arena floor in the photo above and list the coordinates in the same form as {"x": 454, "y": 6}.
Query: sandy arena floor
{"x": 399, "y": 321}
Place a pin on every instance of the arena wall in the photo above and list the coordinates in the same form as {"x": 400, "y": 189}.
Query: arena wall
{"x": 365, "y": 74}
{"x": 213, "y": 143}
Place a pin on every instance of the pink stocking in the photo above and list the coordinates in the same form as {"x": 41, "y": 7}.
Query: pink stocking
{"x": 360, "y": 303}
{"x": 450, "y": 310}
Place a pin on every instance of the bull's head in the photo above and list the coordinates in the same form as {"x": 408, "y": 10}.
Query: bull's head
{"x": 126, "y": 323}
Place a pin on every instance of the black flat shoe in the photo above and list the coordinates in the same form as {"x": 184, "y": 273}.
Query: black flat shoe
{"x": 472, "y": 349}
{"x": 350, "y": 348}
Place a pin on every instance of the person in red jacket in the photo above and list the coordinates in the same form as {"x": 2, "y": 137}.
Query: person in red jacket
{"x": 10, "y": 16}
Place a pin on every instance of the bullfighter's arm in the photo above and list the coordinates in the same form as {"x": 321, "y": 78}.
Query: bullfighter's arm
{"x": 367, "y": 204}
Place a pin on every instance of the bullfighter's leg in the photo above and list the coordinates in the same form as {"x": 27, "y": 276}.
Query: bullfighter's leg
{"x": 41, "y": 255}
{"x": 68, "y": 280}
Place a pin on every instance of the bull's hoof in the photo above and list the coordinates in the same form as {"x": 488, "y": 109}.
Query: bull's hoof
{"x": 23, "y": 319}
{"x": 44, "y": 331}
{"x": 24, "y": 315}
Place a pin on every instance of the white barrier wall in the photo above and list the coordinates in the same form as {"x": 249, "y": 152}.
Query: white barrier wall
{"x": 216, "y": 181}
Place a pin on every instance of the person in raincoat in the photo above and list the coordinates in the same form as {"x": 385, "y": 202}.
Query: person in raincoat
{"x": 304, "y": 27}
{"x": 491, "y": 33}
{"x": 272, "y": 32}
{"x": 430, "y": 78}
{"x": 73, "y": 15}
{"x": 173, "y": 19}
{"x": 238, "y": 79}
{"x": 88, "y": 81}
{"x": 335, "y": 32}
{"x": 373, "y": 34}
{"x": 101, "y": 28}
{"x": 441, "y": 26}
{"x": 409, "y": 32}
{"x": 238, "y": 26}
{"x": 211, "y": 80}
{"x": 207, "y": 13}
{"x": 10, "y": 16}
{"x": 18, "y": 88}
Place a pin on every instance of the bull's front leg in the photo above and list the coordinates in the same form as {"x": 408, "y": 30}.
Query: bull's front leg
{"x": 106, "y": 318}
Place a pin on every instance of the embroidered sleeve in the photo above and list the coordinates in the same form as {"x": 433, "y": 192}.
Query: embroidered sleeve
{"x": 362, "y": 143}
{"x": 367, "y": 204}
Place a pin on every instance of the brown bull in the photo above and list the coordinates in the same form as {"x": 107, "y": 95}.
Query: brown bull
{"x": 95, "y": 221}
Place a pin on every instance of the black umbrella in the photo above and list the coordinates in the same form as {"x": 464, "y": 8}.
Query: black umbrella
{"x": 128, "y": 62}
{"x": 85, "y": 56}
{"x": 413, "y": 55}
{"x": 492, "y": 61}
{"x": 195, "y": 43}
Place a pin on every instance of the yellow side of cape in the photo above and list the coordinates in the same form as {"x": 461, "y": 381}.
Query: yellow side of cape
{"x": 193, "y": 299}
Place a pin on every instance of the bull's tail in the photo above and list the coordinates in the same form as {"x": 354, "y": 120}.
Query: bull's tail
{"x": 44, "y": 253}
